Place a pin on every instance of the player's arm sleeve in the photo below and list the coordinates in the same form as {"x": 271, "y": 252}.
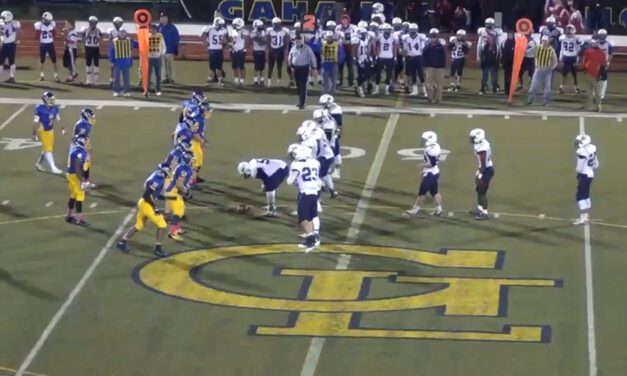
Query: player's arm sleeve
{"x": 293, "y": 175}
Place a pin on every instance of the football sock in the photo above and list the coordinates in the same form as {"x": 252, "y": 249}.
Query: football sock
{"x": 79, "y": 207}
{"x": 50, "y": 160}
{"x": 328, "y": 182}
{"x": 588, "y": 204}
{"x": 271, "y": 199}
{"x": 12, "y": 71}
{"x": 316, "y": 225}
{"x": 41, "y": 158}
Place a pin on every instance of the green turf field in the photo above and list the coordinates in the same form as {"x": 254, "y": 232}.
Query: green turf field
{"x": 525, "y": 293}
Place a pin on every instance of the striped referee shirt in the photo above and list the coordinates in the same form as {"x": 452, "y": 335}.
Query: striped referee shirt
{"x": 302, "y": 56}
{"x": 122, "y": 48}
{"x": 546, "y": 58}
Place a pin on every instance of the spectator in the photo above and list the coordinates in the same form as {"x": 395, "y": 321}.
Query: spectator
{"x": 301, "y": 59}
{"x": 594, "y": 62}
{"x": 528, "y": 63}
{"x": 595, "y": 19}
{"x": 444, "y": 14}
{"x": 489, "y": 61}
{"x": 434, "y": 55}
{"x": 156, "y": 50}
{"x": 562, "y": 13}
{"x": 330, "y": 59}
{"x": 576, "y": 19}
{"x": 546, "y": 62}
{"x": 507, "y": 59}
{"x": 121, "y": 58}
{"x": 171, "y": 38}
{"x": 459, "y": 18}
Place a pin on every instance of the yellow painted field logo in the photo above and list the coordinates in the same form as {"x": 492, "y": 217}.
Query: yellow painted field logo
{"x": 332, "y": 301}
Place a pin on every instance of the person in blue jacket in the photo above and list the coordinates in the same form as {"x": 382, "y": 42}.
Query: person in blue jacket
{"x": 172, "y": 38}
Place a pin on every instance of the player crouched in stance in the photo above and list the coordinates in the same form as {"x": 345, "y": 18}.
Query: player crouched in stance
{"x": 587, "y": 162}
{"x": 485, "y": 171}
{"x": 430, "y": 174}
{"x": 177, "y": 188}
{"x": 77, "y": 158}
{"x": 271, "y": 172}
{"x": 147, "y": 209}
{"x": 304, "y": 174}
{"x": 82, "y": 128}
{"x": 46, "y": 114}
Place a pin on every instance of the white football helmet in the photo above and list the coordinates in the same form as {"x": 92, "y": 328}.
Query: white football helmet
{"x": 429, "y": 138}
{"x": 305, "y": 131}
{"x": 461, "y": 33}
{"x": 276, "y": 21}
{"x": 257, "y": 23}
{"x": 476, "y": 135}
{"x": 550, "y": 20}
{"x": 117, "y": 22}
{"x": 434, "y": 32}
{"x": 245, "y": 170}
{"x": 296, "y": 25}
{"x": 489, "y": 21}
{"x": 362, "y": 24}
{"x": 319, "y": 115}
{"x": 331, "y": 24}
{"x": 46, "y": 17}
{"x": 397, "y": 21}
{"x": 219, "y": 21}
{"x": 377, "y": 8}
{"x": 582, "y": 140}
{"x": 238, "y": 23}
{"x": 413, "y": 27}
{"x": 386, "y": 27}
{"x": 291, "y": 150}
{"x": 6, "y": 16}
{"x": 326, "y": 100}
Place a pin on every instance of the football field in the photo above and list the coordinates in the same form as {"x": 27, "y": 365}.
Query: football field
{"x": 523, "y": 293}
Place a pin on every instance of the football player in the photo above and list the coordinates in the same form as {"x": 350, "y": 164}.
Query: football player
{"x": 215, "y": 38}
{"x": 198, "y": 111}
{"x": 76, "y": 160}
{"x": 459, "y": 48}
{"x": 304, "y": 174}
{"x": 488, "y": 37}
{"x": 238, "y": 40}
{"x": 587, "y": 162}
{"x": 45, "y": 29}
{"x": 271, "y": 172}
{"x": 147, "y": 209}
{"x": 569, "y": 51}
{"x": 335, "y": 111}
{"x": 485, "y": 171}
{"x": 91, "y": 36}
{"x": 399, "y": 33}
{"x": 70, "y": 50}
{"x": 430, "y": 174}
{"x": 386, "y": 57}
{"x": 173, "y": 157}
{"x": 377, "y": 14}
{"x": 177, "y": 188}
{"x": 363, "y": 52}
{"x": 10, "y": 32}
{"x": 553, "y": 32}
{"x": 46, "y": 114}
{"x": 259, "y": 39}
{"x": 413, "y": 44}
{"x": 324, "y": 132}
{"x": 82, "y": 129}
{"x": 277, "y": 41}
{"x": 347, "y": 31}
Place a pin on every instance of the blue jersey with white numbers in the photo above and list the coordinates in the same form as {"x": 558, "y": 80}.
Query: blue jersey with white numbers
{"x": 153, "y": 187}
{"x": 82, "y": 128}
{"x": 184, "y": 171}
{"x": 46, "y": 115}
{"x": 77, "y": 154}
{"x": 173, "y": 157}
{"x": 182, "y": 133}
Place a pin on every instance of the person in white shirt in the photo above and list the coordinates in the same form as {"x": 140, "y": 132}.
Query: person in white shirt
{"x": 485, "y": 171}
{"x": 388, "y": 50}
{"x": 215, "y": 38}
{"x": 45, "y": 28}
{"x": 363, "y": 52}
{"x": 70, "y": 50}
{"x": 271, "y": 172}
{"x": 430, "y": 174}
{"x": 413, "y": 44}
{"x": 259, "y": 39}
{"x": 10, "y": 39}
{"x": 238, "y": 38}
{"x": 570, "y": 47}
{"x": 587, "y": 162}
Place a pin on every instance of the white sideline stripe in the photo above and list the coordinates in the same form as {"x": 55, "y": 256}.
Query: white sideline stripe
{"x": 619, "y": 119}
{"x": 592, "y": 346}
{"x": 317, "y": 343}
{"x": 544, "y": 117}
{"x": 351, "y": 109}
{"x": 13, "y": 116}
{"x": 21, "y": 371}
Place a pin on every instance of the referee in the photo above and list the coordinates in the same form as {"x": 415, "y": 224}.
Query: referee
{"x": 546, "y": 62}
{"x": 301, "y": 59}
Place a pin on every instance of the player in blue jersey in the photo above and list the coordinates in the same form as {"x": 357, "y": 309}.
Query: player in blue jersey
{"x": 176, "y": 188}
{"x": 76, "y": 160}
{"x": 82, "y": 128}
{"x": 197, "y": 109}
{"x": 147, "y": 209}
{"x": 46, "y": 114}
{"x": 173, "y": 157}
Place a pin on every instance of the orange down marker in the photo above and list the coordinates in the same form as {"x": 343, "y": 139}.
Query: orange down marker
{"x": 142, "y": 19}
{"x": 524, "y": 27}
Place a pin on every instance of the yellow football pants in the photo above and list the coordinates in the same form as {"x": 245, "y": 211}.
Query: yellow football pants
{"x": 74, "y": 186}
{"x": 146, "y": 211}
{"x": 46, "y": 138}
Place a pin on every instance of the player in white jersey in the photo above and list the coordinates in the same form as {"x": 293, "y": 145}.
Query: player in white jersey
{"x": 10, "y": 30}
{"x": 489, "y": 34}
{"x": 607, "y": 46}
{"x": 91, "y": 36}
{"x": 259, "y": 41}
{"x": 570, "y": 47}
{"x": 413, "y": 44}
{"x": 551, "y": 30}
{"x": 335, "y": 111}
{"x": 70, "y": 50}
{"x": 459, "y": 47}
{"x": 387, "y": 54}
{"x": 587, "y": 162}
{"x": 347, "y": 31}
{"x": 363, "y": 52}
{"x": 113, "y": 33}
{"x": 377, "y": 13}
{"x": 271, "y": 172}
{"x": 45, "y": 28}
{"x": 304, "y": 174}
{"x": 277, "y": 43}
{"x": 485, "y": 171}
{"x": 238, "y": 38}
{"x": 215, "y": 38}
{"x": 430, "y": 174}
{"x": 324, "y": 133}
{"x": 399, "y": 32}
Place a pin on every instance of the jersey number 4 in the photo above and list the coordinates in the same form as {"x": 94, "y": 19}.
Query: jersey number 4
{"x": 310, "y": 174}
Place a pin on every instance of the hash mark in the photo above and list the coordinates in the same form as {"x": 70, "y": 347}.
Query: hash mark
{"x": 49, "y": 204}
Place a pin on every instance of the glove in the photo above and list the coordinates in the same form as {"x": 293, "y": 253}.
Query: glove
{"x": 478, "y": 175}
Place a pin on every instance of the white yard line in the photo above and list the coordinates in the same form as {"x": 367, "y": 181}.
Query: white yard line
{"x": 49, "y": 204}
{"x": 13, "y": 116}
{"x": 70, "y": 299}
{"x": 592, "y": 345}
{"x": 317, "y": 343}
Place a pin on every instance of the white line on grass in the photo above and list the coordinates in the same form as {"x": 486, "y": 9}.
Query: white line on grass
{"x": 592, "y": 346}
{"x": 619, "y": 119}
{"x": 506, "y": 117}
{"x": 5, "y": 202}
{"x": 70, "y": 299}
{"x": 49, "y": 204}
{"x": 136, "y": 108}
{"x": 100, "y": 107}
{"x": 317, "y": 343}
{"x": 544, "y": 117}
{"x": 247, "y": 111}
{"x": 12, "y": 117}
{"x": 93, "y": 205}
{"x": 285, "y": 111}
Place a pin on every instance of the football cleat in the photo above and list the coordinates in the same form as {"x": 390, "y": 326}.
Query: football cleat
{"x": 580, "y": 221}
{"x": 412, "y": 211}
{"x": 161, "y": 253}
{"x": 175, "y": 237}
{"x": 482, "y": 216}
{"x": 123, "y": 246}
{"x": 436, "y": 213}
